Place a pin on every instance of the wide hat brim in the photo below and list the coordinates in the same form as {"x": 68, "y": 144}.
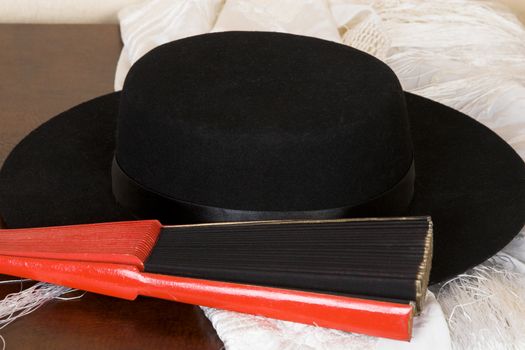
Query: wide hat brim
{"x": 468, "y": 179}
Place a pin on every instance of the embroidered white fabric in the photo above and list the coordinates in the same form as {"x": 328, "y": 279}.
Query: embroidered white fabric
{"x": 467, "y": 54}
{"x": 148, "y": 24}
{"x": 242, "y": 331}
{"x": 306, "y": 17}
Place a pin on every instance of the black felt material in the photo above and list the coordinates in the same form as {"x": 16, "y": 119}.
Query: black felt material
{"x": 64, "y": 174}
{"x": 154, "y": 205}
{"x": 366, "y": 258}
{"x": 249, "y": 121}
{"x": 467, "y": 178}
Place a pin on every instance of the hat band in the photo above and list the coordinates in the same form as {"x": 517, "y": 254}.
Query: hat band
{"x": 148, "y": 204}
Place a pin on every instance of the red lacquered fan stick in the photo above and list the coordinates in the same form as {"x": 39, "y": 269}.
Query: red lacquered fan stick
{"x": 108, "y": 259}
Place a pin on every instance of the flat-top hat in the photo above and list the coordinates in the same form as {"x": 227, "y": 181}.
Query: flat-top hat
{"x": 252, "y": 125}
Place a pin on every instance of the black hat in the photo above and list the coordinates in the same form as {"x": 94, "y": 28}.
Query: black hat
{"x": 252, "y": 125}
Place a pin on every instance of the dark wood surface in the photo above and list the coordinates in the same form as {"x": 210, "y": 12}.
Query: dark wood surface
{"x": 46, "y": 69}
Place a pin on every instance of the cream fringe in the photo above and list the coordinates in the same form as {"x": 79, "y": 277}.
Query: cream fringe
{"x": 469, "y": 55}
{"x": 485, "y": 308}
{"x": 17, "y": 305}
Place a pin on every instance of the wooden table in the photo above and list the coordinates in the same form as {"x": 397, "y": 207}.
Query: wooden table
{"x": 46, "y": 69}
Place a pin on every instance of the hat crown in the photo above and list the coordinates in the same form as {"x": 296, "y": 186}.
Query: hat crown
{"x": 263, "y": 121}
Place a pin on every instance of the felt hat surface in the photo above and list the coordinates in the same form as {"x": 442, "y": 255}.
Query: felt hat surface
{"x": 252, "y": 125}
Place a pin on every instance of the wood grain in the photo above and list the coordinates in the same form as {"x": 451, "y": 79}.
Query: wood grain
{"x": 44, "y": 70}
